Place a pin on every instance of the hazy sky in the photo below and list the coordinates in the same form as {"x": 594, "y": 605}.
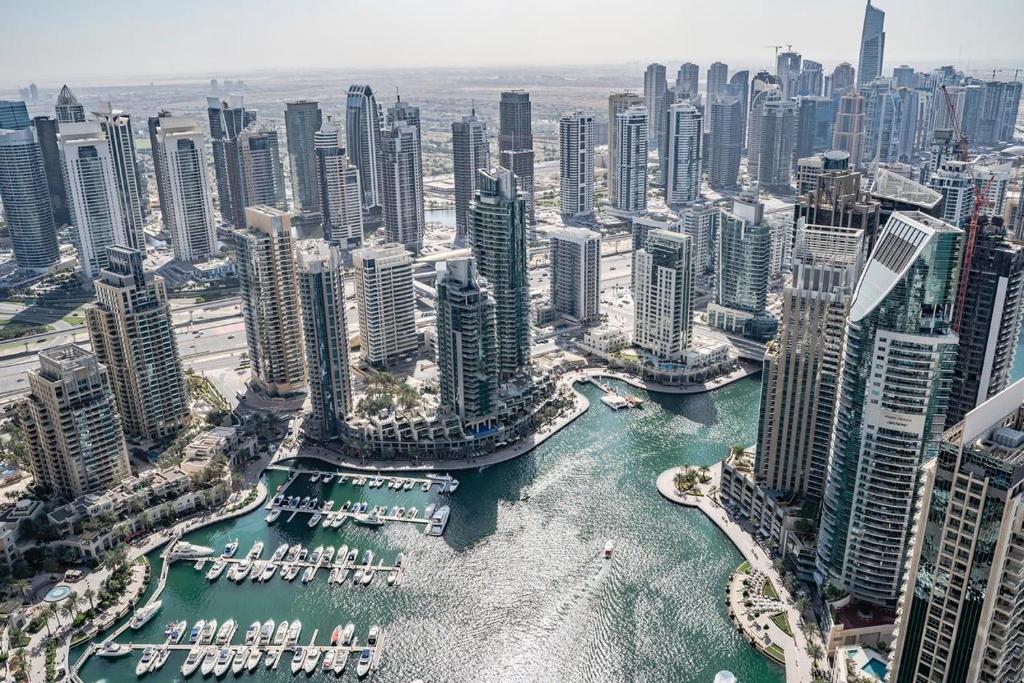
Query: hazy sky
{"x": 54, "y": 40}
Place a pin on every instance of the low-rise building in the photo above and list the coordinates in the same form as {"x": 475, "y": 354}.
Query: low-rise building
{"x": 227, "y": 442}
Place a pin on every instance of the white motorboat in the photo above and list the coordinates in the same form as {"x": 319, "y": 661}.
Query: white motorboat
{"x": 308, "y": 575}
{"x": 272, "y": 516}
{"x": 339, "y": 519}
{"x": 408, "y": 484}
{"x": 206, "y": 635}
{"x": 294, "y": 631}
{"x": 230, "y": 549}
{"x": 333, "y": 577}
{"x": 297, "y": 659}
{"x": 281, "y": 551}
{"x": 209, "y": 661}
{"x": 348, "y": 634}
{"x": 343, "y": 577}
{"x": 143, "y": 615}
{"x": 255, "y": 551}
{"x": 357, "y": 577}
{"x": 252, "y": 633}
{"x": 195, "y": 657}
{"x": 225, "y": 632}
{"x": 608, "y": 548}
{"x": 328, "y": 555}
{"x": 328, "y": 660}
{"x": 314, "y": 478}
{"x": 257, "y": 570}
{"x": 254, "y": 659}
{"x": 328, "y": 478}
{"x": 113, "y": 650}
{"x": 340, "y": 660}
{"x": 281, "y": 633}
{"x": 266, "y": 632}
{"x": 293, "y": 553}
{"x": 365, "y": 659}
{"x": 177, "y": 632}
{"x": 371, "y": 638}
{"x": 315, "y": 519}
{"x": 314, "y": 557}
{"x": 240, "y": 658}
{"x": 412, "y": 513}
{"x": 371, "y": 520}
{"x": 399, "y": 559}
{"x": 347, "y": 506}
{"x": 216, "y": 570}
{"x": 367, "y": 557}
{"x": 328, "y": 520}
{"x": 312, "y": 659}
{"x": 367, "y": 577}
{"x": 438, "y": 521}
{"x": 268, "y": 572}
{"x": 340, "y": 558}
{"x": 193, "y": 636}
{"x": 160, "y": 659}
{"x": 429, "y": 511}
{"x": 352, "y": 555}
{"x": 223, "y": 663}
{"x": 241, "y": 570}
{"x": 392, "y": 577}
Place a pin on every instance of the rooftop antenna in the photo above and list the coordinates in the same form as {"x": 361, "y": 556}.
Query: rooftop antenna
{"x": 398, "y": 97}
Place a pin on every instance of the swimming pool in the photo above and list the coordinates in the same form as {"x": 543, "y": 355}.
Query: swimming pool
{"x": 875, "y": 667}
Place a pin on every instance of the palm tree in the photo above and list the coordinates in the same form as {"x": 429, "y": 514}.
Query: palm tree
{"x": 814, "y": 651}
{"x": 801, "y": 604}
{"x": 809, "y": 629}
{"x": 82, "y": 602}
{"x": 89, "y": 594}
{"x": 22, "y": 586}
{"x": 50, "y": 612}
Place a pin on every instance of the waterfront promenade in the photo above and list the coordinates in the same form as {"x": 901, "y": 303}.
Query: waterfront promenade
{"x": 742, "y": 371}
{"x": 798, "y": 664}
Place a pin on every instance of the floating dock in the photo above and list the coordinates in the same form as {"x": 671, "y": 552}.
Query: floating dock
{"x": 614, "y": 399}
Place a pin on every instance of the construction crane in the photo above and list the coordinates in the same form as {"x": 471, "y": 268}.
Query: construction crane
{"x": 978, "y": 205}
{"x": 778, "y": 47}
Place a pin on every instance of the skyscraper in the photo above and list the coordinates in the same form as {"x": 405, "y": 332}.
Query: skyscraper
{"x": 787, "y": 70}
{"x": 872, "y": 45}
{"x": 515, "y": 143}
{"x": 843, "y": 78}
{"x": 467, "y": 348}
{"x": 131, "y": 193}
{"x": 69, "y": 109}
{"x": 131, "y": 334}
{"x": 402, "y": 183}
{"x": 629, "y": 175}
{"x": 497, "y": 220}
{"x": 763, "y": 89}
{"x": 834, "y": 196}
{"x": 13, "y": 115}
{"x": 700, "y": 221}
{"x": 718, "y": 76}
{"x": 903, "y": 76}
{"x": 685, "y": 154}
{"x": 575, "y": 259}
{"x": 93, "y": 199}
{"x": 801, "y": 369}
{"x": 953, "y": 181}
{"x": 960, "y": 609}
{"x": 227, "y": 119}
{"x": 302, "y": 120}
{"x": 471, "y": 153}
{"x": 46, "y": 135}
{"x": 814, "y": 127}
{"x": 340, "y": 194}
{"x": 265, "y": 262}
{"x": 322, "y": 298}
{"x": 179, "y": 159}
{"x": 739, "y": 86}
{"x": 889, "y": 123}
{"x": 849, "y": 129}
{"x": 655, "y": 85}
{"x": 362, "y": 133}
{"x": 26, "y": 200}
{"x": 255, "y": 170}
{"x": 663, "y": 290}
{"x": 743, "y": 268}
{"x": 992, "y": 316}
{"x": 72, "y": 427}
{"x": 617, "y": 103}
{"x": 812, "y": 79}
{"x": 687, "y": 79}
{"x": 776, "y": 137}
{"x": 384, "y": 292}
{"x": 726, "y": 144}
{"x": 576, "y": 139}
{"x": 896, "y": 371}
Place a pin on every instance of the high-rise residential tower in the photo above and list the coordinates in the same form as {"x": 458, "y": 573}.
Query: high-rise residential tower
{"x": 843, "y": 78}
{"x": 265, "y": 262}
{"x": 384, "y": 293}
{"x": 663, "y": 291}
{"x": 227, "y": 119}
{"x": 763, "y": 89}
{"x": 575, "y": 259}
{"x": 362, "y": 133}
{"x": 849, "y": 129}
{"x": 69, "y": 109}
{"x": 302, "y": 120}
{"x": 776, "y": 136}
{"x": 812, "y": 79}
{"x": 13, "y": 115}
{"x": 718, "y": 77}
{"x": 497, "y": 235}
{"x": 801, "y": 369}
{"x": 872, "y": 45}
{"x": 576, "y": 140}
{"x": 322, "y": 298}
{"x": 467, "y": 348}
{"x": 131, "y": 334}
{"x": 685, "y": 154}
{"x": 72, "y": 427}
{"x": 726, "y": 142}
{"x": 991, "y": 323}
{"x": 617, "y": 103}
{"x": 93, "y": 199}
{"x": 128, "y": 173}
{"x": 814, "y": 126}
{"x": 340, "y": 194}
{"x": 255, "y": 170}
{"x": 179, "y": 158}
{"x": 46, "y": 135}
{"x": 402, "y": 184}
{"x": 515, "y": 143}
{"x": 739, "y": 86}
{"x": 743, "y": 264}
{"x": 629, "y": 175}
{"x": 26, "y": 200}
{"x": 787, "y": 69}
{"x": 961, "y": 607}
{"x": 471, "y": 153}
{"x": 688, "y": 79}
{"x": 655, "y": 85}
{"x": 894, "y": 385}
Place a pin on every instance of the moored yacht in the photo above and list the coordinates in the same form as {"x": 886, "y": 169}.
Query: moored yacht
{"x": 146, "y": 661}
{"x": 195, "y": 657}
{"x": 143, "y": 615}
{"x": 365, "y": 658}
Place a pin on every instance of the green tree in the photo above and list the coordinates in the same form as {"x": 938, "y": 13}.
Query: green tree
{"x": 90, "y": 595}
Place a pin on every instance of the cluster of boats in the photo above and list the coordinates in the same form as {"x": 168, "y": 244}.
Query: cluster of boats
{"x": 447, "y": 482}
{"x": 343, "y": 562}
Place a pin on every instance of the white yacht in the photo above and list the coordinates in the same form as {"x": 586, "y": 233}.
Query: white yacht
{"x": 143, "y": 615}
{"x": 216, "y": 570}
{"x": 297, "y": 659}
{"x": 365, "y": 659}
{"x": 273, "y": 515}
{"x": 223, "y": 663}
{"x": 195, "y": 657}
{"x": 146, "y": 661}
{"x": 266, "y": 632}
